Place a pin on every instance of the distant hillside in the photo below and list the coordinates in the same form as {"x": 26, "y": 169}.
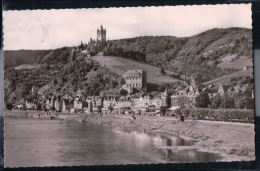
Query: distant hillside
{"x": 198, "y": 54}
{"x": 13, "y": 58}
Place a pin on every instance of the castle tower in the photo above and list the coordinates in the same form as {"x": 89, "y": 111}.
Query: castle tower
{"x": 101, "y": 35}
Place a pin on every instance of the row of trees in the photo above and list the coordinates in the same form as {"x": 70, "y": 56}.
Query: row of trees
{"x": 239, "y": 101}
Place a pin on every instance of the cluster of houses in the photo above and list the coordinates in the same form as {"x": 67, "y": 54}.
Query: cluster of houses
{"x": 97, "y": 104}
{"x": 133, "y": 102}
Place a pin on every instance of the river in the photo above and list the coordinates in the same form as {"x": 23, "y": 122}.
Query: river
{"x": 29, "y": 142}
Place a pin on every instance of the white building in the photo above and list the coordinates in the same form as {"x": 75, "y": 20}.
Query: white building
{"x": 135, "y": 79}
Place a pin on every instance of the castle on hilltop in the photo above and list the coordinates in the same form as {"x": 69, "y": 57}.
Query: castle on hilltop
{"x": 99, "y": 43}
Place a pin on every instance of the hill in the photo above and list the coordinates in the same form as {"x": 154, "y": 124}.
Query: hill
{"x": 60, "y": 55}
{"x": 201, "y": 54}
{"x": 81, "y": 74}
{"x": 14, "y": 58}
{"x": 239, "y": 75}
{"x": 120, "y": 65}
{"x": 235, "y": 62}
{"x": 217, "y": 55}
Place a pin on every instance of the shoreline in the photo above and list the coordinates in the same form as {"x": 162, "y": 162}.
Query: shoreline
{"x": 231, "y": 141}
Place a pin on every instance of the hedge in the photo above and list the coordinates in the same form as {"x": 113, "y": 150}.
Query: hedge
{"x": 233, "y": 115}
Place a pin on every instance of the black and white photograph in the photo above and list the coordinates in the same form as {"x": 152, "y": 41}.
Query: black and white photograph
{"x": 139, "y": 85}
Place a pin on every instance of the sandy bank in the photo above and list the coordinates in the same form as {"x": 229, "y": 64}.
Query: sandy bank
{"x": 232, "y": 141}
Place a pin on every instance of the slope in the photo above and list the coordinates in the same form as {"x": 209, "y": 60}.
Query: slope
{"x": 120, "y": 65}
{"x": 199, "y": 54}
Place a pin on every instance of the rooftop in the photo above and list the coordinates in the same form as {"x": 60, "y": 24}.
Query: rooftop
{"x": 139, "y": 71}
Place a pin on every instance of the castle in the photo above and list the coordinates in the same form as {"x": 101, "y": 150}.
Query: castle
{"x": 101, "y": 35}
{"x": 98, "y": 44}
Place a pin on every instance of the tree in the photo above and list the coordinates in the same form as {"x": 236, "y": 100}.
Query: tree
{"x": 123, "y": 92}
{"x": 216, "y": 101}
{"x": 245, "y": 103}
{"x": 227, "y": 102}
{"x": 202, "y": 101}
{"x": 249, "y": 103}
{"x": 114, "y": 83}
{"x": 55, "y": 81}
{"x": 9, "y": 105}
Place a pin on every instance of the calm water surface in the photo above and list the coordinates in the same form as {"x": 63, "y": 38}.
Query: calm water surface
{"x": 62, "y": 143}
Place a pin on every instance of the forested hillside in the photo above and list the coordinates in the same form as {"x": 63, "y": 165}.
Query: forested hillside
{"x": 210, "y": 55}
{"x": 13, "y": 58}
{"x": 80, "y": 74}
{"x": 198, "y": 54}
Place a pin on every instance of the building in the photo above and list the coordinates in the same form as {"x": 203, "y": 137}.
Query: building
{"x": 185, "y": 98}
{"x": 57, "y": 104}
{"x": 124, "y": 103}
{"x": 94, "y": 103}
{"x": 135, "y": 79}
{"x": 101, "y": 36}
{"x": 144, "y": 102}
{"x": 156, "y": 102}
{"x": 109, "y": 103}
{"x": 88, "y": 105}
{"x": 30, "y": 104}
{"x": 78, "y": 103}
{"x": 165, "y": 99}
{"x": 49, "y": 103}
{"x": 65, "y": 105}
{"x": 182, "y": 101}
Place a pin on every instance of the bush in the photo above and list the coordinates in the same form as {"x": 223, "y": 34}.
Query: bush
{"x": 234, "y": 115}
{"x": 202, "y": 100}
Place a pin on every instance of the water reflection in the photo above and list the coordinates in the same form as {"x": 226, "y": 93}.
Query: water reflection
{"x": 166, "y": 145}
{"x": 56, "y": 143}
{"x": 156, "y": 139}
{"x": 188, "y": 156}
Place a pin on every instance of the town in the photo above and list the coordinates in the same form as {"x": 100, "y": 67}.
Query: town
{"x": 144, "y": 103}
{"x": 135, "y": 99}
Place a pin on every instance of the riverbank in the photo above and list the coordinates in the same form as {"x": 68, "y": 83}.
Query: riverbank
{"x": 232, "y": 141}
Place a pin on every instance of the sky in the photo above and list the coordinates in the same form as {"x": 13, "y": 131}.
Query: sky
{"x": 50, "y": 29}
